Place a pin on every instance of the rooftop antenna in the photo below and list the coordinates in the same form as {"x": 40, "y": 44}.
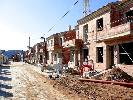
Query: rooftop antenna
{"x": 86, "y": 7}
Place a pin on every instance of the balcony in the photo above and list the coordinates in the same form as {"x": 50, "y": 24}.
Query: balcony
{"x": 114, "y": 32}
{"x": 78, "y": 43}
{"x": 57, "y": 47}
{"x": 70, "y": 35}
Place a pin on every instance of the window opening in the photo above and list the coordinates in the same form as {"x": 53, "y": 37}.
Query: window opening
{"x": 51, "y": 42}
{"x": 61, "y": 40}
{"x": 99, "y": 54}
{"x": 85, "y": 31}
{"x": 71, "y": 55}
{"x": 99, "y": 24}
{"x": 41, "y": 57}
{"x": 126, "y": 54}
{"x": 55, "y": 57}
{"x": 85, "y": 54}
{"x": 129, "y": 16}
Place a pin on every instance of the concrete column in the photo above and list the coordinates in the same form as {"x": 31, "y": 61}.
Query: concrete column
{"x": 107, "y": 57}
{"x": 116, "y": 54}
{"x": 79, "y": 57}
{"x": 105, "y": 51}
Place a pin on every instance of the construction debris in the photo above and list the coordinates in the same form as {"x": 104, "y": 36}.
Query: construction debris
{"x": 91, "y": 90}
{"x": 114, "y": 74}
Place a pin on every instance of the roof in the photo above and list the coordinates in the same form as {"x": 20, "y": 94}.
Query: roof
{"x": 59, "y": 34}
{"x": 103, "y": 10}
{"x": 95, "y": 14}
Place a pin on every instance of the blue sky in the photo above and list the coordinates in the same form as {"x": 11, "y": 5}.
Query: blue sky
{"x": 20, "y": 19}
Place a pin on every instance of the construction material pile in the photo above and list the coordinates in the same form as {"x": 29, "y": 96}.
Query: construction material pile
{"x": 92, "y": 91}
{"x": 115, "y": 74}
{"x": 72, "y": 71}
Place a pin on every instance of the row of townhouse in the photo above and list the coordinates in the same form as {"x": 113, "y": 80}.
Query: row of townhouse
{"x": 105, "y": 36}
{"x": 61, "y": 48}
{"x": 36, "y": 54}
{"x": 64, "y": 48}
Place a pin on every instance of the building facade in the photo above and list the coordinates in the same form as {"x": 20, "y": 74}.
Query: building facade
{"x": 108, "y": 35}
{"x": 54, "y": 48}
{"x": 71, "y": 49}
{"x": 105, "y": 36}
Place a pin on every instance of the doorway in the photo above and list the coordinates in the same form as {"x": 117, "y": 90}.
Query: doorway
{"x": 85, "y": 54}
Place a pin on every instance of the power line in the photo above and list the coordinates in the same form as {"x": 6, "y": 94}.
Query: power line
{"x": 127, "y": 53}
{"x": 63, "y": 16}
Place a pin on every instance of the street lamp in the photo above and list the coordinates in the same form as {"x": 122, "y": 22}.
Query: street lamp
{"x": 43, "y": 39}
{"x": 29, "y": 54}
{"x": 44, "y": 53}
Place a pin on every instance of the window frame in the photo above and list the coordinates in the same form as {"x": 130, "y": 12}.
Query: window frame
{"x": 99, "y": 56}
{"x": 97, "y": 24}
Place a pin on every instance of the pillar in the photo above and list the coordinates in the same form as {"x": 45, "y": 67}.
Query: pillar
{"x": 116, "y": 54}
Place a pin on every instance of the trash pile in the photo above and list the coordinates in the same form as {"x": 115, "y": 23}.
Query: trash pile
{"x": 115, "y": 74}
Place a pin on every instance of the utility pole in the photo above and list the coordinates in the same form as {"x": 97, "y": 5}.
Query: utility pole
{"x": 44, "y": 54}
{"x": 29, "y": 50}
{"x": 86, "y": 7}
{"x": 44, "y": 50}
{"x": 29, "y": 41}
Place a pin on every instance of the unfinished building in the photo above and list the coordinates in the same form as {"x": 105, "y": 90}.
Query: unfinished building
{"x": 108, "y": 35}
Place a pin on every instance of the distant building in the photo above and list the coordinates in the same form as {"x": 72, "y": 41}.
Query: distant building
{"x": 54, "y": 48}
{"x": 71, "y": 49}
{"x": 14, "y": 53}
{"x": 3, "y": 59}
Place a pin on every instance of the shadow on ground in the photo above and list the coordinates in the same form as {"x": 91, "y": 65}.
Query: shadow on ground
{"x": 5, "y": 75}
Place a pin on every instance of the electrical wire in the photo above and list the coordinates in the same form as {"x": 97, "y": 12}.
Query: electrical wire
{"x": 127, "y": 53}
{"x": 63, "y": 16}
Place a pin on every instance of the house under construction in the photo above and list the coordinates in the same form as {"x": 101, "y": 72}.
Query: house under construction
{"x": 105, "y": 36}
{"x": 108, "y": 35}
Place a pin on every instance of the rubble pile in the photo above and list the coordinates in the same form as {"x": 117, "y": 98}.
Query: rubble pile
{"x": 72, "y": 71}
{"x": 116, "y": 74}
{"x": 89, "y": 90}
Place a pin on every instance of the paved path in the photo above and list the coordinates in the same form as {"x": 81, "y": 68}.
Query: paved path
{"x": 21, "y": 81}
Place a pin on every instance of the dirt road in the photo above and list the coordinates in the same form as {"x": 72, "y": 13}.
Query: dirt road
{"x": 20, "y": 82}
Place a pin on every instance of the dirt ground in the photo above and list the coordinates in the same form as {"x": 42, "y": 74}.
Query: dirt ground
{"x": 94, "y": 91}
{"x": 27, "y": 82}
{"x": 73, "y": 88}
